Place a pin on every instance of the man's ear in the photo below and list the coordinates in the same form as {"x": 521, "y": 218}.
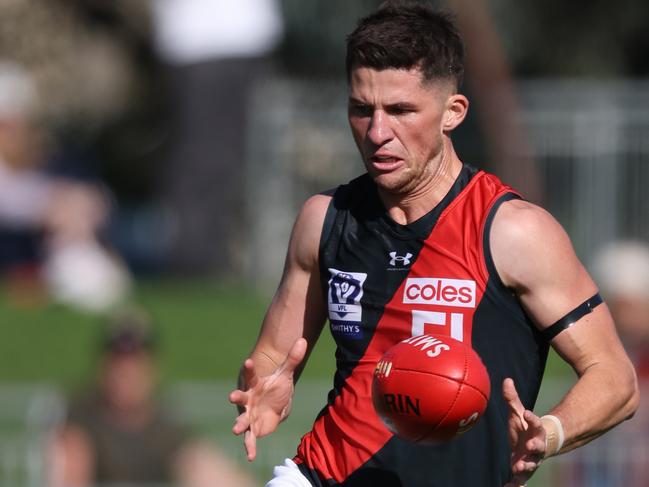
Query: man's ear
{"x": 457, "y": 107}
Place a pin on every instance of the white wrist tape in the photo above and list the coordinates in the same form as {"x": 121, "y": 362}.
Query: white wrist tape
{"x": 554, "y": 435}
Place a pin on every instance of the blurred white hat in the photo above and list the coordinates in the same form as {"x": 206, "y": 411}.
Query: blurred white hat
{"x": 85, "y": 276}
{"x": 191, "y": 31}
{"x": 18, "y": 93}
{"x": 622, "y": 268}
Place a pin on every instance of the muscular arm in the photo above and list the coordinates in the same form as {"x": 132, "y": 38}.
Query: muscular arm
{"x": 290, "y": 328}
{"x": 535, "y": 258}
{"x": 297, "y": 309}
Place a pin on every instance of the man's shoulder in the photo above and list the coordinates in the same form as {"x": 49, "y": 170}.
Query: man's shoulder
{"x": 520, "y": 224}
{"x": 527, "y": 241}
{"x": 315, "y": 206}
{"x": 520, "y": 219}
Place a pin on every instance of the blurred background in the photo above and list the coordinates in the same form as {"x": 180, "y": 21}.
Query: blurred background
{"x": 153, "y": 156}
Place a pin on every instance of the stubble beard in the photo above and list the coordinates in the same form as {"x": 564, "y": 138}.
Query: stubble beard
{"x": 408, "y": 182}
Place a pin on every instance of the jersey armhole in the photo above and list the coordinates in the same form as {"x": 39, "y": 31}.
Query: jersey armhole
{"x": 492, "y": 272}
{"x": 327, "y": 224}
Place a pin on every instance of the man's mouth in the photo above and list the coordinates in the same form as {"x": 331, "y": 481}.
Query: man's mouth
{"x": 385, "y": 162}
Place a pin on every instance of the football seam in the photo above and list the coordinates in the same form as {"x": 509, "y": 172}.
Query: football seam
{"x": 454, "y": 379}
{"x": 457, "y": 394}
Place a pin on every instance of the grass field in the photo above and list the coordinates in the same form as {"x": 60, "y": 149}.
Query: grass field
{"x": 205, "y": 330}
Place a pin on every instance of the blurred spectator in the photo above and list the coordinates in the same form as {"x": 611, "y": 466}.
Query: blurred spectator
{"x": 214, "y": 51}
{"x": 86, "y": 71}
{"x": 93, "y": 62}
{"x": 118, "y": 433}
{"x": 621, "y": 269}
{"x": 49, "y": 220}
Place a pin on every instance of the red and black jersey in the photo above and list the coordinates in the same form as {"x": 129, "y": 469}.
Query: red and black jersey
{"x": 385, "y": 282}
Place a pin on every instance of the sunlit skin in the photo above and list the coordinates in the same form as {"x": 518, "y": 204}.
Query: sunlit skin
{"x": 401, "y": 126}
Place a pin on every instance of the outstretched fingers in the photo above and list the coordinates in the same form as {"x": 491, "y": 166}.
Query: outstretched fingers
{"x": 241, "y": 424}
{"x": 238, "y": 397}
{"x": 267, "y": 399}
{"x": 250, "y": 443}
{"x": 535, "y": 426}
{"x": 527, "y": 436}
{"x": 535, "y": 445}
{"x": 241, "y": 399}
{"x": 514, "y": 402}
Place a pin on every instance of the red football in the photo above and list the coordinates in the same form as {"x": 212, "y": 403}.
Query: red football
{"x": 430, "y": 388}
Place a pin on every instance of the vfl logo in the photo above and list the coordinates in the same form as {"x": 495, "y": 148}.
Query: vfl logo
{"x": 404, "y": 260}
{"x": 344, "y": 297}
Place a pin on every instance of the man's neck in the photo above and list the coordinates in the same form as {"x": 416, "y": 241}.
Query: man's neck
{"x": 137, "y": 417}
{"x": 409, "y": 207}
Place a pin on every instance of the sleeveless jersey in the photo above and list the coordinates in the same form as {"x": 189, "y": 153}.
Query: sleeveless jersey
{"x": 385, "y": 282}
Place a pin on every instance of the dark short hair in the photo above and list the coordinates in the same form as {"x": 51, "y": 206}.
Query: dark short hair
{"x": 407, "y": 34}
{"x": 128, "y": 331}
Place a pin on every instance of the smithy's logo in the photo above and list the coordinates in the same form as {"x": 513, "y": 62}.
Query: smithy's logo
{"x": 344, "y": 298}
{"x": 440, "y": 291}
{"x": 403, "y": 260}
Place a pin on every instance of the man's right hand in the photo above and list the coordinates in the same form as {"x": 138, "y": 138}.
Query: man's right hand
{"x": 267, "y": 400}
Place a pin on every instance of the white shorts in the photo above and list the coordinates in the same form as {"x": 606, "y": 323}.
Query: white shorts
{"x": 288, "y": 475}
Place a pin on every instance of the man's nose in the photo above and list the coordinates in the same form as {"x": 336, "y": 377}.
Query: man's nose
{"x": 379, "y": 131}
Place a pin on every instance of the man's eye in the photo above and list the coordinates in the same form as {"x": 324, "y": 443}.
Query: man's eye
{"x": 399, "y": 110}
{"x": 360, "y": 110}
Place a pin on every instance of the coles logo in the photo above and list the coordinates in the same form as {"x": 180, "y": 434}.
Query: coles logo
{"x": 440, "y": 291}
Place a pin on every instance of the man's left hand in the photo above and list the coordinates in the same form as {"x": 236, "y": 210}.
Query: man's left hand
{"x": 526, "y": 437}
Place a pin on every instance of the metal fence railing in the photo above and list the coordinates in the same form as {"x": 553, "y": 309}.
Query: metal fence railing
{"x": 28, "y": 412}
{"x": 590, "y": 140}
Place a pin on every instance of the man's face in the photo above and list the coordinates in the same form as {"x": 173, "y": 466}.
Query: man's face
{"x": 128, "y": 380}
{"x": 22, "y": 143}
{"x": 396, "y": 122}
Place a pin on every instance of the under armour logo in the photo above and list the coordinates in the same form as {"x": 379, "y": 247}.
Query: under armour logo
{"x": 404, "y": 260}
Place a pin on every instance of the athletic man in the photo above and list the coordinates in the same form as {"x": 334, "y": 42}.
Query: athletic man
{"x": 425, "y": 243}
